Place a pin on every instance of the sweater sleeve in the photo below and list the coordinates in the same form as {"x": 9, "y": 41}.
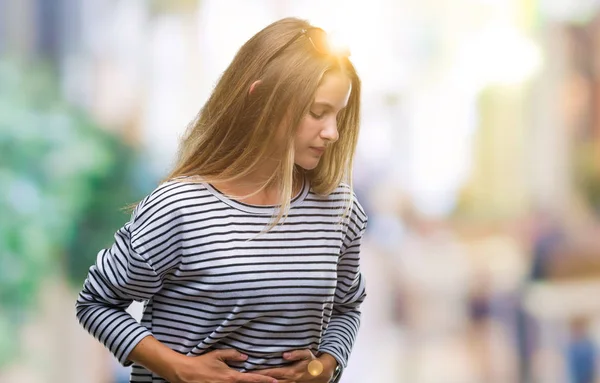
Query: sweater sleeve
{"x": 341, "y": 332}
{"x": 133, "y": 268}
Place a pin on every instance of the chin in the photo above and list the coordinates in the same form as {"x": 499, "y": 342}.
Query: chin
{"x": 307, "y": 165}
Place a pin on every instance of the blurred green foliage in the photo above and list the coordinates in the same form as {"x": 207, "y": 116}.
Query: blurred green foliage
{"x": 63, "y": 180}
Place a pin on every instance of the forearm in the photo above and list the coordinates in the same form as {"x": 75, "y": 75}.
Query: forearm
{"x": 116, "y": 329}
{"x": 339, "y": 338}
{"x": 157, "y": 357}
{"x": 119, "y": 276}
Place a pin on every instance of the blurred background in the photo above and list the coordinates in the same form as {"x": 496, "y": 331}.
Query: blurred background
{"x": 478, "y": 164}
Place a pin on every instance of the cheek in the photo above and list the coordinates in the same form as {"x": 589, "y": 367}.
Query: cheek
{"x": 306, "y": 130}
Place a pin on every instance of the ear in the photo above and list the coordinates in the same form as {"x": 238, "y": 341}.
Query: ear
{"x": 254, "y": 84}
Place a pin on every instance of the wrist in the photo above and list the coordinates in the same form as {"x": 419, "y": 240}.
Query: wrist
{"x": 160, "y": 359}
{"x": 329, "y": 363}
{"x": 178, "y": 368}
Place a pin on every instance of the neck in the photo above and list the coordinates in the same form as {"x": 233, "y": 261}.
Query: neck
{"x": 246, "y": 189}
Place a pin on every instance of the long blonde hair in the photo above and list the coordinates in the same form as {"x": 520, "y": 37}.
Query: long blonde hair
{"x": 235, "y": 130}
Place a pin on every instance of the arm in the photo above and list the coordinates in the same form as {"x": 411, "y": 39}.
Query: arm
{"x": 341, "y": 332}
{"x": 134, "y": 268}
{"x": 119, "y": 276}
{"x": 123, "y": 273}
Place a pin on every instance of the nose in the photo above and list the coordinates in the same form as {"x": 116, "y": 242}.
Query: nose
{"x": 330, "y": 132}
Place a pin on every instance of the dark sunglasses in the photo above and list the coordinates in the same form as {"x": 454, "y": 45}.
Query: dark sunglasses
{"x": 318, "y": 39}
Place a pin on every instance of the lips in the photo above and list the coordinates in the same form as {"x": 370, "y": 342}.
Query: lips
{"x": 318, "y": 150}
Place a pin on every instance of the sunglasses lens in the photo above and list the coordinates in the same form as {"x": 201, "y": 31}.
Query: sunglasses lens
{"x": 323, "y": 43}
{"x": 318, "y": 38}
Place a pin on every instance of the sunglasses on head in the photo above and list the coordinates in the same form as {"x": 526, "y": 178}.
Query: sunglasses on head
{"x": 318, "y": 39}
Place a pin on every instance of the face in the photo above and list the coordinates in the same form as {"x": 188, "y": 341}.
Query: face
{"x": 318, "y": 129}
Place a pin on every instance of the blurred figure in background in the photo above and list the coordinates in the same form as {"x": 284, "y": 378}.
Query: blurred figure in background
{"x": 581, "y": 352}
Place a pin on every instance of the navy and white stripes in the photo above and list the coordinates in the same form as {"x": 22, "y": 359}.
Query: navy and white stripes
{"x": 210, "y": 280}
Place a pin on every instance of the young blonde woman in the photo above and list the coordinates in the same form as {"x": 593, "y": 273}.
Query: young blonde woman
{"x": 247, "y": 256}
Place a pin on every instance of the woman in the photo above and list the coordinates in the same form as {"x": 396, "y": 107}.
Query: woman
{"x": 247, "y": 256}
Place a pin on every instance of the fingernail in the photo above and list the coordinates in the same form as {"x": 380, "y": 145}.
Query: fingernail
{"x": 286, "y": 355}
{"x": 243, "y": 356}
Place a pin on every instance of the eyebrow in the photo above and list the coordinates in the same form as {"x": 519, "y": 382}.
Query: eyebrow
{"x": 324, "y": 104}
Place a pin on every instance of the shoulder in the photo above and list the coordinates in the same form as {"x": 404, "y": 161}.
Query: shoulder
{"x": 357, "y": 211}
{"x": 167, "y": 200}
{"x": 344, "y": 197}
{"x": 354, "y": 216}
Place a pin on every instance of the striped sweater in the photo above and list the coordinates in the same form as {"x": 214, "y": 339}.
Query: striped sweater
{"x": 209, "y": 281}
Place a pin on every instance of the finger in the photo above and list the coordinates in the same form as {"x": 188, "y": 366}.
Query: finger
{"x": 305, "y": 354}
{"x": 278, "y": 373}
{"x": 246, "y": 377}
{"x": 229, "y": 354}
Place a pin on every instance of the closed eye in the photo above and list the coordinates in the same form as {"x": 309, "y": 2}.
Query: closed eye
{"x": 316, "y": 116}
